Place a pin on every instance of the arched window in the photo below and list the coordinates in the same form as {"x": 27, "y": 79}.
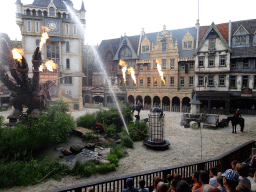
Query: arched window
{"x": 64, "y": 15}
{"x": 37, "y": 42}
{"x": 67, "y": 46}
{"x": 67, "y": 64}
{"x": 45, "y": 14}
{"x": 28, "y": 12}
{"x": 34, "y": 12}
{"x": 59, "y": 15}
{"x": 52, "y": 11}
{"x": 39, "y": 13}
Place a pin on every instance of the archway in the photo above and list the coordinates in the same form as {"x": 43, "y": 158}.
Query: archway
{"x": 139, "y": 98}
{"x": 166, "y": 103}
{"x": 131, "y": 99}
{"x": 176, "y": 104}
{"x": 186, "y": 105}
{"x": 147, "y": 103}
{"x": 98, "y": 99}
{"x": 109, "y": 99}
{"x": 156, "y": 101}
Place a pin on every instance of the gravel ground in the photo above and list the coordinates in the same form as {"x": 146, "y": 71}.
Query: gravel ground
{"x": 185, "y": 147}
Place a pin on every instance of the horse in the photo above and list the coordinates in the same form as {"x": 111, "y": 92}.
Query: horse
{"x": 137, "y": 108}
{"x": 235, "y": 121}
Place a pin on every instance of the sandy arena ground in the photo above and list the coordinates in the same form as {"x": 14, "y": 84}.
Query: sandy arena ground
{"x": 185, "y": 147}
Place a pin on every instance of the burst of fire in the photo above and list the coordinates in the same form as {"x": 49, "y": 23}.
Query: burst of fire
{"x": 49, "y": 64}
{"x": 123, "y": 64}
{"x": 131, "y": 70}
{"x": 44, "y": 37}
{"x": 159, "y": 68}
{"x": 17, "y": 54}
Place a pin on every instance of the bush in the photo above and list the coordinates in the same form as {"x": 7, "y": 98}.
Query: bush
{"x": 126, "y": 141}
{"x": 53, "y": 126}
{"x": 30, "y": 172}
{"x": 87, "y": 121}
{"x": 105, "y": 168}
{"x": 1, "y": 121}
{"x": 140, "y": 132}
{"x": 84, "y": 169}
{"x": 110, "y": 130}
{"x": 118, "y": 153}
{"x": 113, "y": 159}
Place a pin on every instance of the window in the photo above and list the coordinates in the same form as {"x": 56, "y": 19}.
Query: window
{"x": 37, "y": 42}
{"x": 29, "y": 26}
{"x": 154, "y": 64}
{"x": 222, "y": 60}
{"x": 75, "y": 29}
{"x": 187, "y": 45}
{"x": 59, "y": 15}
{"x": 34, "y": 12}
{"x": 141, "y": 67}
{"x": 155, "y": 81}
{"x": 246, "y": 63}
{"x": 240, "y": 40}
{"x": 67, "y": 29}
{"x": 201, "y": 62}
{"x": 171, "y": 81}
{"x": 149, "y": 66}
{"x": 191, "y": 66}
{"x": 191, "y": 81}
{"x": 68, "y": 80}
{"x": 67, "y": 64}
{"x": 164, "y": 82}
{"x": 145, "y": 49}
{"x": 210, "y": 81}
{"x": 53, "y": 53}
{"x": 163, "y": 47}
{"x": 52, "y": 11}
{"x": 28, "y": 12}
{"x": 254, "y": 39}
{"x": 182, "y": 82}
{"x": 61, "y": 80}
{"x": 163, "y": 63}
{"x": 45, "y": 14}
{"x": 39, "y": 13}
{"x": 67, "y": 46}
{"x": 232, "y": 82}
{"x": 221, "y": 81}
{"x": 37, "y": 27}
{"x": 211, "y": 43}
{"x": 141, "y": 82}
{"x": 64, "y": 15}
{"x": 211, "y": 61}
{"x": 172, "y": 61}
{"x": 149, "y": 81}
{"x": 201, "y": 81}
{"x": 245, "y": 81}
{"x": 233, "y": 63}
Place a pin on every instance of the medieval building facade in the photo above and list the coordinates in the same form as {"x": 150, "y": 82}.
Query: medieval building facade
{"x": 64, "y": 46}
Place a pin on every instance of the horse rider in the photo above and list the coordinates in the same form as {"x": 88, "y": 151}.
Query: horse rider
{"x": 238, "y": 114}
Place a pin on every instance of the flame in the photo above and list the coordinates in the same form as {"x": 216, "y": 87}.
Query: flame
{"x": 17, "y": 54}
{"x": 49, "y": 64}
{"x": 159, "y": 68}
{"x": 123, "y": 64}
{"x": 131, "y": 70}
{"x": 44, "y": 37}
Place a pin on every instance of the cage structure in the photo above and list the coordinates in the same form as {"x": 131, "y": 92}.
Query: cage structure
{"x": 156, "y": 131}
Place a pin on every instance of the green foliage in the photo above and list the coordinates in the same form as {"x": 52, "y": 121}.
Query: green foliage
{"x": 126, "y": 141}
{"x": 87, "y": 121}
{"x": 91, "y": 136}
{"x": 110, "y": 130}
{"x": 29, "y": 172}
{"x": 84, "y": 169}
{"x": 59, "y": 106}
{"x": 113, "y": 159}
{"x": 1, "y": 121}
{"x": 138, "y": 130}
{"x": 105, "y": 168}
{"x": 118, "y": 153}
{"x": 53, "y": 126}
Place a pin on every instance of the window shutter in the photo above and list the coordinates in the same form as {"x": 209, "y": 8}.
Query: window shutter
{"x": 233, "y": 41}
{"x": 247, "y": 39}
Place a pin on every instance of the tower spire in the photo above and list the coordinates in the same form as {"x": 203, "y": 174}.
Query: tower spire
{"x": 82, "y": 7}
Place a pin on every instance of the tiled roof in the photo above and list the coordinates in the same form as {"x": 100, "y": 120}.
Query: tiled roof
{"x": 223, "y": 28}
{"x": 58, "y": 3}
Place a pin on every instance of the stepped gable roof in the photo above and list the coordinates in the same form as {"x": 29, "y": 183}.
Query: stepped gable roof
{"x": 247, "y": 51}
{"x": 223, "y": 28}
{"x": 58, "y": 3}
{"x": 177, "y": 34}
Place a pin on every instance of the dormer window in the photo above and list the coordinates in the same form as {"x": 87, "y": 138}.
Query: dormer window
{"x": 163, "y": 47}
{"x": 241, "y": 37}
{"x": 145, "y": 48}
{"x": 187, "y": 45}
{"x": 188, "y": 41}
{"x": 254, "y": 39}
{"x": 52, "y": 11}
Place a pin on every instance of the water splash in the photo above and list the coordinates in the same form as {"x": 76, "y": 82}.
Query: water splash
{"x": 95, "y": 52}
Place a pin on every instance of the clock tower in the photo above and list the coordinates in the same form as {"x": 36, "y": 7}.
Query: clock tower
{"x": 64, "y": 46}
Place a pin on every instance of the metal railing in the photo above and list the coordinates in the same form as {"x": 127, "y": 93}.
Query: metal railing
{"x": 175, "y": 109}
{"x": 221, "y": 162}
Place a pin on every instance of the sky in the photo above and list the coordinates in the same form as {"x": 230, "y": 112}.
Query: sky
{"x": 109, "y": 19}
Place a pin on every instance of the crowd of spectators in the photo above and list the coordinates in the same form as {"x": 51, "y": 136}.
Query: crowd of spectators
{"x": 232, "y": 180}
